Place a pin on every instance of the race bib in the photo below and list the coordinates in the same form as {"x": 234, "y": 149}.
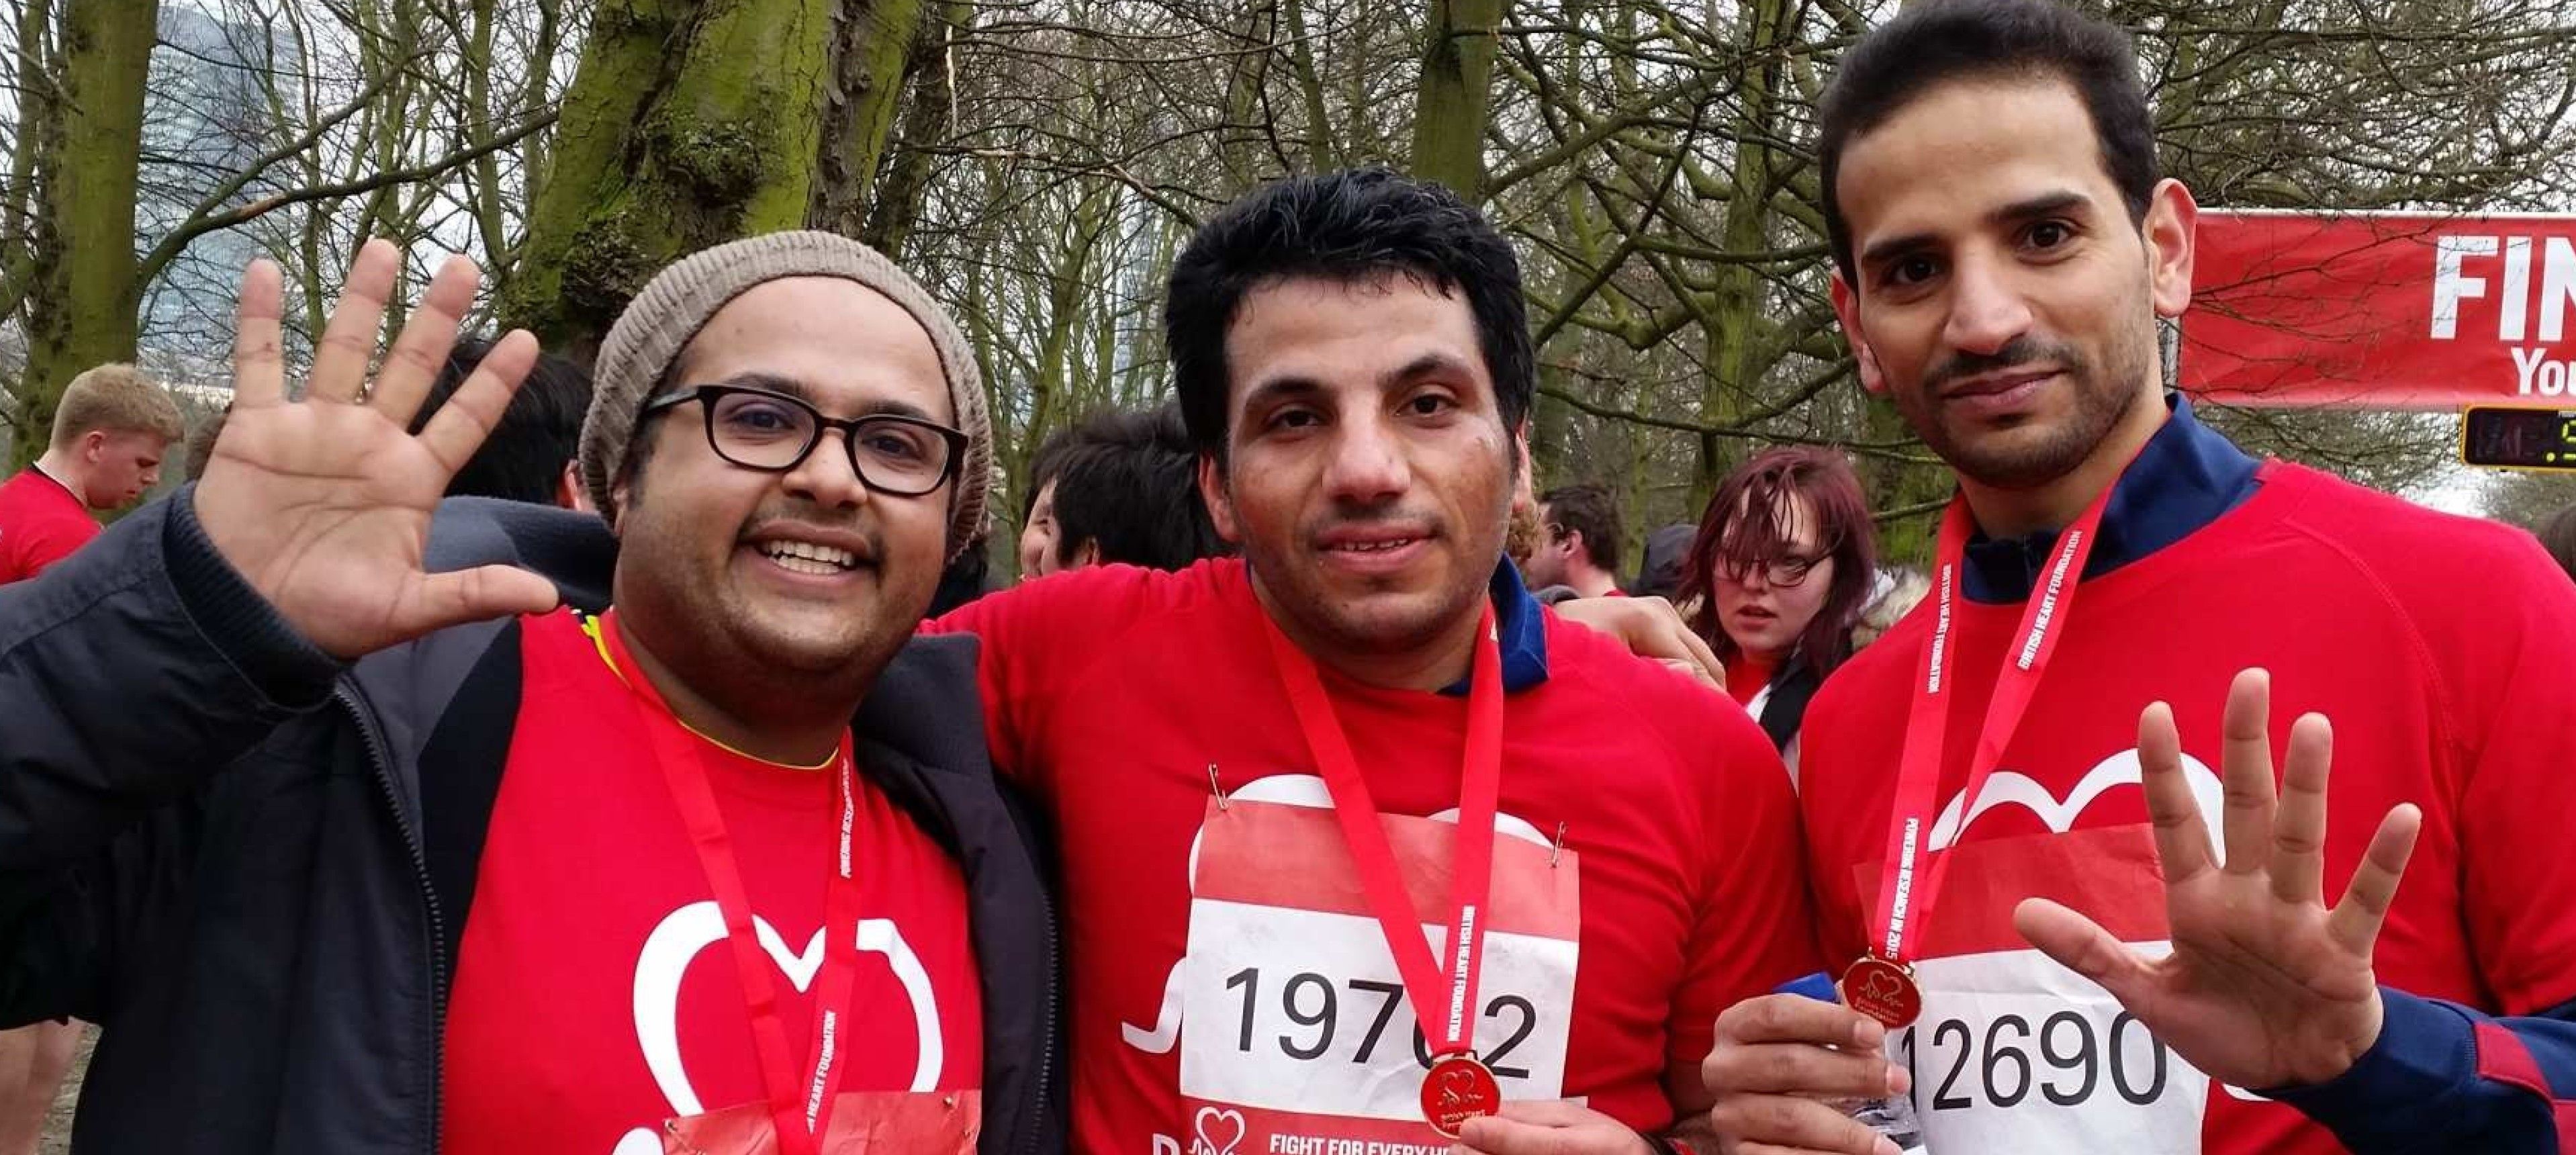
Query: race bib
{"x": 2016, "y": 1055}
{"x": 1296, "y": 1035}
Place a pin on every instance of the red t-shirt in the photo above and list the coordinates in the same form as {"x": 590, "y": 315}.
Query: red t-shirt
{"x": 2437, "y": 645}
{"x": 1231, "y": 992}
{"x": 1747, "y": 675}
{"x": 594, "y": 994}
{"x": 41, "y": 523}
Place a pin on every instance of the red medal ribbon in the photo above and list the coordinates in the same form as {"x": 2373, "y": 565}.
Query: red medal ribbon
{"x": 800, "y": 1108}
{"x": 1900, "y": 893}
{"x": 1448, "y": 1024}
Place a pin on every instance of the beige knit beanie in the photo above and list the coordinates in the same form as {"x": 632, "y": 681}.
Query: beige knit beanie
{"x": 667, "y": 315}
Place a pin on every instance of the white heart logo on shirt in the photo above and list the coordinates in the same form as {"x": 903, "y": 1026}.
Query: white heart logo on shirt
{"x": 1286, "y": 790}
{"x": 2013, "y": 788}
{"x": 677, "y": 941}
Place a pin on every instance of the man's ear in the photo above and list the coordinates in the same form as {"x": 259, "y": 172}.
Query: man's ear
{"x": 1088, "y": 554}
{"x": 1524, "y": 475}
{"x": 1847, "y": 311}
{"x": 1220, "y": 505}
{"x": 93, "y": 446}
{"x": 571, "y": 494}
{"x": 2173, "y": 220}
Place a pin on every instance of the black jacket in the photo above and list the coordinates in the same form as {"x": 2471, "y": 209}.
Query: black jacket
{"x": 252, "y": 864}
{"x": 1786, "y": 710}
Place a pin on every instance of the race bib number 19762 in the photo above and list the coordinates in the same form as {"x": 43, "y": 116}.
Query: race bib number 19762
{"x": 1296, "y": 1037}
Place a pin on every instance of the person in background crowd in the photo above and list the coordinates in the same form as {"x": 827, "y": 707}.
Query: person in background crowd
{"x": 1243, "y": 759}
{"x": 2558, "y": 536}
{"x": 110, "y": 433}
{"x": 1776, "y": 577}
{"x": 1580, "y": 550}
{"x": 1667, "y": 555}
{"x": 200, "y": 444}
{"x": 2126, "y": 610}
{"x": 1125, "y": 492}
{"x": 529, "y": 455}
{"x": 1038, "y": 530}
{"x": 111, "y": 430}
{"x": 369, "y": 842}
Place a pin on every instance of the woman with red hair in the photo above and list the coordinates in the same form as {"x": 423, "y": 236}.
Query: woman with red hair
{"x": 1779, "y": 572}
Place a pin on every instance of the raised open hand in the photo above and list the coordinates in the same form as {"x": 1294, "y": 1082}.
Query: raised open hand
{"x": 2266, "y": 986}
{"x": 324, "y": 503}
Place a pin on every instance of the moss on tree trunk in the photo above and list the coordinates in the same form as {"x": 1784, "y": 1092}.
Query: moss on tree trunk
{"x": 688, "y": 124}
{"x": 85, "y": 302}
{"x": 873, "y": 45}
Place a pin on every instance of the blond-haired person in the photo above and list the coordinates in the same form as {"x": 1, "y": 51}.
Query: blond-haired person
{"x": 110, "y": 433}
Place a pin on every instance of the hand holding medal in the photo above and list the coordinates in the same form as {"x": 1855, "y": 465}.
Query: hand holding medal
{"x": 1781, "y": 1062}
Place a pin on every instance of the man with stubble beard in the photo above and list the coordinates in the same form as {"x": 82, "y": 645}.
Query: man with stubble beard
{"x": 2071, "y": 748}
{"x": 357, "y": 846}
{"x": 1362, "y": 848}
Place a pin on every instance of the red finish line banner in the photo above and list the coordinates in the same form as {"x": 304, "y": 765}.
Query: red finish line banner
{"x": 2381, "y": 311}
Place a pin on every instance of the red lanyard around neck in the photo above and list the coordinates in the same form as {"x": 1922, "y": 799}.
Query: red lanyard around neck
{"x": 1448, "y": 1023}
{"x": 1903, "y": 896}
{"x": 800, "y": 1098}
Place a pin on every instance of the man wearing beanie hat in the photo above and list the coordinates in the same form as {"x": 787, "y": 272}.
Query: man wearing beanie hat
{"x": 361, "y": 838}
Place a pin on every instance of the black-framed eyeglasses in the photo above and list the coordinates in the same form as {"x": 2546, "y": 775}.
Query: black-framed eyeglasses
{"x": 1779, "y": 573}
{"x": 893, "y": 454}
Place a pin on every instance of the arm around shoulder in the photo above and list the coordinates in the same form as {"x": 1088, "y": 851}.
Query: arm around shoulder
{"x": 1039, "y": 637}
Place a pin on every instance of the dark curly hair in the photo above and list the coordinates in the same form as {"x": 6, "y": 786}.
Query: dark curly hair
{"x": 1350, "y": 226}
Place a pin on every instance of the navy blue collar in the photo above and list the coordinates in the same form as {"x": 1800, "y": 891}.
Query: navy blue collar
{"x": 2186, "y": 477}
{"x": 1522, "y": 630}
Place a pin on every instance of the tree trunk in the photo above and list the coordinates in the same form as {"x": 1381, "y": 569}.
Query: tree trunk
{"x": 1896, "y": 484}
{"x": 37, "y": 109}
{"x": 934, "y": 98}
{"x": 1735, "y": 314}
{"x": 873, "y": 42}
{"x": 1239, "y": 138}
{"x": 484, "y": 180}
{"x": 1457, "y": 96}
{"x": 689, "y": 123}
{"x": 85, "y": 304}
{"x": 1322, "y": 153}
